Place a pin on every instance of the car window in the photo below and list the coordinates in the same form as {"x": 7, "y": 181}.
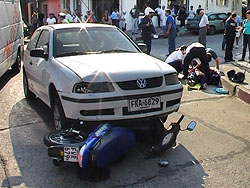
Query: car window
{"x": 222, "y": 16}
{"x": 91, "y": 40}
{"x": 43, "y": 41}
{"x": 213, "y": 17}
{"x": 33, "y": 40}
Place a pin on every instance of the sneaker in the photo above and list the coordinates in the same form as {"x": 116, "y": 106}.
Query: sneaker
{"x": 236, "y": 47}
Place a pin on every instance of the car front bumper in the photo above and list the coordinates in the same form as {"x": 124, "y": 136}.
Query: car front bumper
{"x": 111, "y": 107}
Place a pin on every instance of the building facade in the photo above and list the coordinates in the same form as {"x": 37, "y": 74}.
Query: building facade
{"x": 99, "y": 6}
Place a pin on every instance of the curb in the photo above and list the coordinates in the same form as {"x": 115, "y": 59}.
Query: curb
{"x": 243, "y": 94}
{"x": 235, "y": 89}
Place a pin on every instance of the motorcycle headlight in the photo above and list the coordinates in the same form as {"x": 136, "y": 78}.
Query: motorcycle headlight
{"x": 171, "y": 79}
{"x": 94, "y": 87}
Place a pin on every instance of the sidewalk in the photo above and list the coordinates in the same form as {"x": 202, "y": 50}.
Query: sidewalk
{"x": 159, "y": 32}
{"x": 242, "y": 90}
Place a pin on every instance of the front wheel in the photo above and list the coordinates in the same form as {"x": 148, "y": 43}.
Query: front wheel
{"x": 60, "y": 121}
{"x": 211, "y": 30}
{"x": 62, "y": 137}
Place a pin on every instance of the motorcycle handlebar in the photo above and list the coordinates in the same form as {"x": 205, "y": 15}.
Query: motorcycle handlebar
{"x": 181, "y": 118}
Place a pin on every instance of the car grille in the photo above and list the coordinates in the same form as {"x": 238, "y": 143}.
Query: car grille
{"x": 97, "y": 112}
{"x": 132, "y": 85}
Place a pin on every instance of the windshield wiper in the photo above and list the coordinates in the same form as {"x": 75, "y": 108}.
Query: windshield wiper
{"x": 74, "y": 53}
{"x": 115, "y": 51}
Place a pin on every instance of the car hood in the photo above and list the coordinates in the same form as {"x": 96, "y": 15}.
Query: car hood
{"x": 115, "y": 66}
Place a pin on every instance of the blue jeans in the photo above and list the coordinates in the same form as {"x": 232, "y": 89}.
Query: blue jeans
{"x": 171, "y": 41}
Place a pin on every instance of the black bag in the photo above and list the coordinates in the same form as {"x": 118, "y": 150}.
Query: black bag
{"x": 215, "y": 79}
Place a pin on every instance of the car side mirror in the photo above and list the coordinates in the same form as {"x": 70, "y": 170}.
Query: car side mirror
{"x": 191, "y": 125}
{"x": 143, "y": 47}
{"x": 38, "y": 52}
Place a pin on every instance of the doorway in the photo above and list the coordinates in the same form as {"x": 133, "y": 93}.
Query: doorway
{"x": 99, "y": 6}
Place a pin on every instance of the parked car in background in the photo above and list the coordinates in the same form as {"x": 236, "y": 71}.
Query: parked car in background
{"x": 96, "y": 73}
{"x": 216, "y": 23}
{"x": 11, "y": 36}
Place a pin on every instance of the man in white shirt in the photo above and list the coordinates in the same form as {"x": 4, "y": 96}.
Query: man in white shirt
{"x": 159, "y": 12}
{"x": 51, "y": 20}
{"x": 203, "y": 25}
{"x": 175, "y": 59}
{"x": 191, "y": 13}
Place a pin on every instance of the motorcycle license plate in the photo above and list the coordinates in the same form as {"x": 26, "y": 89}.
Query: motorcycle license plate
{"x": 144, "y": 103}
{"x": 70, "y": 154}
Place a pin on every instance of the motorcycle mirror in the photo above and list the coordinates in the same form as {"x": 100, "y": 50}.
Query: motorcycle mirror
{"x": 191, "y": 125}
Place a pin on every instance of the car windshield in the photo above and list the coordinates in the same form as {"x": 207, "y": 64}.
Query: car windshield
{"x": 76, "y": 41}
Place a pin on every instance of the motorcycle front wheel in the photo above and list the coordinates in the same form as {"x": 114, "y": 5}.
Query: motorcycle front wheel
{"x": 62, "y": 137}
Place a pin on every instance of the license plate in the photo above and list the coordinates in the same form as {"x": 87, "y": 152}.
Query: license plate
{"x": 70, "y": 154}
{"x": 144, "y": 103}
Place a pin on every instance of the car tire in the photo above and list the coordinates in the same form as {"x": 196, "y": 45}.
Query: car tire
{"x": 60, "y": 121}
{"x": 27, "y": 93}
{"x": 16, "y": 67}
{"x": 211, "y": 30}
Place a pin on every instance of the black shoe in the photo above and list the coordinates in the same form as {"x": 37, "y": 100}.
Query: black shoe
{"x": 242, "y": 59}
{"x": 227, "y": 60}
{"x": 232, "y": 60}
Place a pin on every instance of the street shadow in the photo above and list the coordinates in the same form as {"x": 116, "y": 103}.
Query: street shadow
{"x": 30, "y": 121}
{"x": 6, "y": 77}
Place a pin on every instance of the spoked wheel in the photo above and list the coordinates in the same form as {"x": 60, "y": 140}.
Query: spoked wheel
{"x": 62, "y": 137}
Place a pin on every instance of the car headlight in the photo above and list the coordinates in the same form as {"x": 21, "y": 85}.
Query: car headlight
{"x": 171, "y": 79}
{"x": 98, "y": 87}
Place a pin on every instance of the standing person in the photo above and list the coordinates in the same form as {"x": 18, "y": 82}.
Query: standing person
{"x": 197, "y": 50}
{"x": 246, "y": 36}
{"x": 198, "y": 10}
{"x": 238, "y": 24}
{"x": 163, "y": 16}
{"x": 34, "y": 21}
{"x": 230, "y": 36}
{"x": 158, "y": 11}
{"x": 191, "y": 13}
{"x": 63, "y": 19}
{"x": 68, "y": 16}
{"x": 224, "y": 38}
{"x": 170, "y": 31}
{"x": 134, "y": 12}
{"x": 182, "y": 15}
{"x": 40, "y": 19}
{"x": 106, "y": 19}
{"x": 51, "y": 20}
{"x": 115, "y": 17}
{"x": 147, "y": 27}
{"x": 123, "y": 23}
{"x": 203, "y": 25}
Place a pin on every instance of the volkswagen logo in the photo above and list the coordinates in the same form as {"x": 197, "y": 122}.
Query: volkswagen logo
{"x": 141, "y": 82}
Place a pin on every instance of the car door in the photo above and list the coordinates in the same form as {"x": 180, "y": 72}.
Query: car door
{"x": 28, "y": 61}
{"x": 40, "y": 64}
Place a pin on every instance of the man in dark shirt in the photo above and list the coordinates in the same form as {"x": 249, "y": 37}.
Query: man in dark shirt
{"x": 147, "y": 27}
{"x": 230, "y": 36}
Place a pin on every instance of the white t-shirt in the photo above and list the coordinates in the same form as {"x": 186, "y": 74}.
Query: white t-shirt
{"x": 204, "y": 21}
{"x": 191, "y": 14}
{"x": 174, "y": 56}
{"x": 195, "y": 44}
{"x": 51, "y": 21}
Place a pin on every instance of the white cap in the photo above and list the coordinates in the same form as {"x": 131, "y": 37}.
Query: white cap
{"x": 148, "y": 10}
{"x": 62, "y": 14}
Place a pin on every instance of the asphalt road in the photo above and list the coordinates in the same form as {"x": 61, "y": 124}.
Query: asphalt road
{"x": 215, "y": 154}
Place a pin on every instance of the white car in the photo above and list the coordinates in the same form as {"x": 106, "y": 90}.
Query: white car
{"x": 96, "y": 73}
